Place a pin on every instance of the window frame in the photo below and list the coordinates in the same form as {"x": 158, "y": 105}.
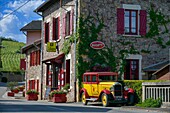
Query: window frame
{"x": 130, "y": 22}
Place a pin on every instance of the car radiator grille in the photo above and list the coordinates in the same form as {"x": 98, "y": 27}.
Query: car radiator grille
{"x": 118, "y": 90}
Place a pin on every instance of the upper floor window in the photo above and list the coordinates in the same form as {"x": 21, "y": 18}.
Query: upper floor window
{"x": 131, "y": 20}
{"x": 68, "y": 23}
{"x": 46, "y": 34}
{"x": 56, "y": 28}
{"x": 35, "y": 58}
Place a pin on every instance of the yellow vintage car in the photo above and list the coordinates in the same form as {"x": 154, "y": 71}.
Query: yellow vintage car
{"x": 104, "y": 87}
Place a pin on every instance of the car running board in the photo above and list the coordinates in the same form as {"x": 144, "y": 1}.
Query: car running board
{"x": 91, "y": 99}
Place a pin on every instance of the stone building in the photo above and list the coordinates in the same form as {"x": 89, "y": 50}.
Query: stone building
{"x": 125, "y": 20}
{"x": 32, "y": 51}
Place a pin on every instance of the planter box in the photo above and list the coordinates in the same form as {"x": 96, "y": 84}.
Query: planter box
{"x": 61, "y": 98}
{"x": 32, "y": 97}
{"x": 10, "y": 94}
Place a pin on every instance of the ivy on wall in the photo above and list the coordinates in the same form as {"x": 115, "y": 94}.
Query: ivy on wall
{"x": 114, "y": 55}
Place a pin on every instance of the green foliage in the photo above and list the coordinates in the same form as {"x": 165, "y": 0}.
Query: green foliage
{"x": 67, "y": 44}
{"x": 150, "y": 102}
{"x": 11, "y": 56}
{"x": 158, "y": 20}
{"x": 32, "y": 91}
{"x": 137, "y": 86}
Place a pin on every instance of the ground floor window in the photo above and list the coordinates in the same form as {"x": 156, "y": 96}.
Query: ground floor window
{"x": 131, "y": 69}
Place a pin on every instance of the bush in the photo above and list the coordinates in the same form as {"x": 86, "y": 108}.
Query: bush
{"x": 11, "y": 85}
{"x": 150, "y": 102}
{"x": 137, "y": 86}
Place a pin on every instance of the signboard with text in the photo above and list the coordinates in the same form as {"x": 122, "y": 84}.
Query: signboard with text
{"x": 51, "y": 46}
{"x": 97, "y": 45}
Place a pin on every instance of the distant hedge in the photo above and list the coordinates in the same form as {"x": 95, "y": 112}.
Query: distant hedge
{"x": 137, "y": 86}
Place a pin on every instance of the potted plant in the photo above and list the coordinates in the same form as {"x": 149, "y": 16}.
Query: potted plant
{"x": 21, "y": 88}
{"x": 15, "y": 90}
{"x": 32, "y": 94}
{"x": 11, "y": 86}
{"x": 60, "y": 95}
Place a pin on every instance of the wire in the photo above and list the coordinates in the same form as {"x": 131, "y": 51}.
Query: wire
{"x": 15, "y": 10}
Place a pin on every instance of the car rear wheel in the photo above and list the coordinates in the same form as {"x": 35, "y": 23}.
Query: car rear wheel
{"x": 83, "y": 99}
{"x": 105, "y": 100}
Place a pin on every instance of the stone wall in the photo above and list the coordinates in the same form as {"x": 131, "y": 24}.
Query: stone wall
{"x": 107, "y": 11}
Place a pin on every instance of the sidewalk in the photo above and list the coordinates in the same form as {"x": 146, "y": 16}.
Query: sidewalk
{"x": 159, "y": 110}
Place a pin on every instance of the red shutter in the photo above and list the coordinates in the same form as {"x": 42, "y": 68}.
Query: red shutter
{"x": 64, "y": 24}
{"x": 45, "y": 31}
{"x": 54, "y": 29}
{"x": 38, "y": 85}
{"x": 58, "y": 27}
{"x": 31, "y": 59}
{"x": 29, "y": 83}
{"x": 120, "y": 21}
{"x": 71, "y": 21}
{"x": 143, "y": 20}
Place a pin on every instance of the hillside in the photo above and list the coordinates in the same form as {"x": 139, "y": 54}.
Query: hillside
{"x": 10, "y": 55}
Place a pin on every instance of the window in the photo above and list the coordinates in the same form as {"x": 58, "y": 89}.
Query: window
{"x": 56, "y": 28}
{"x": 35, "y": 58}
{"x": 131, "y": 20}
{"x": 46, "y": 34}
{"x": 67, "y": 28}
{"x": 67, "y": 23}
{"x": 131, "y": 70}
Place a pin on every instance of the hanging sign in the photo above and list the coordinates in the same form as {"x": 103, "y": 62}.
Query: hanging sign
{"x": 97, "y": 45}
{"x": 51, "y": 46}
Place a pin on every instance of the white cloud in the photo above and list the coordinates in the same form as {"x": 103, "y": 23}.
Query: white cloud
{"x": 8, "y": 24}
{"x": 27, "y": 9}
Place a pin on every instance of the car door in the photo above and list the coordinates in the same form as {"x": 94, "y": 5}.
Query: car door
{"x": 94, "y": 85}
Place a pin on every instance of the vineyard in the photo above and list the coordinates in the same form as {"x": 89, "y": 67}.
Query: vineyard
{"x": 11, "y": 55}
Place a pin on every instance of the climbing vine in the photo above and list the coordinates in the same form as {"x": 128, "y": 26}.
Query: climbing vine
{"x": 112, "y": 56}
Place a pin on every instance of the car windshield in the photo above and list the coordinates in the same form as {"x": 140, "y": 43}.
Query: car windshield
{"x": 107, "y": 78}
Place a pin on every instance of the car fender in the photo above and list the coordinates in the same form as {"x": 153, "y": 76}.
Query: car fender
{"x": 85, "y": 91}
{"x": 105, "y": 91}
{"x": 130, "y": 90}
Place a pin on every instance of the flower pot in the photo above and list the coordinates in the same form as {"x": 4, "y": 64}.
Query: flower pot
{"x": 11, "y": 94}
{"x": 59, "y": 98}
{"x": 32, "y": 97}
{"x": 15, "y": 90}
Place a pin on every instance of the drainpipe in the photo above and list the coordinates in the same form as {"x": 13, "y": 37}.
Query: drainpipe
{"x": 75, "y": 30}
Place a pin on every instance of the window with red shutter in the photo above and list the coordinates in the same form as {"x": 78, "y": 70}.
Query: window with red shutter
{"x": 128, "y": 21}
{"x": 46, "y": 33}
{"x": 68, "y": 23}
{"x": 64, "y": 25}
{"x": 54, "y": 28}
{"x": 71, "y": 21}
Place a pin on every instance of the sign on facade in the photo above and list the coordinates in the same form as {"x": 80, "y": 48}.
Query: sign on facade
{"x": 97, "y": 45}
{"x": 51, "y": 46}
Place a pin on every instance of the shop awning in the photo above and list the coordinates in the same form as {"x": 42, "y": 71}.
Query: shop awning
{"x": 57, "y": 59}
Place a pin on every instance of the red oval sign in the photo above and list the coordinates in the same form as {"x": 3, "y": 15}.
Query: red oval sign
{"x": 97, "y": 45}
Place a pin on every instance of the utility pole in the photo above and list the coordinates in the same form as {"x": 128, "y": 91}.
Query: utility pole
{"x": 75, "y": 31}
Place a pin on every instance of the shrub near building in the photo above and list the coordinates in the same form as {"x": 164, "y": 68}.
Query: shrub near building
{"x": 137, "y": 86}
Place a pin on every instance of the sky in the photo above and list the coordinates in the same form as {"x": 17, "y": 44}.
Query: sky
{"x": 10, "y": 24}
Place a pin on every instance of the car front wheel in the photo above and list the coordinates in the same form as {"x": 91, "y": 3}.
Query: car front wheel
{"x": 105, "y": 100}
{"x": 83, "y": 99}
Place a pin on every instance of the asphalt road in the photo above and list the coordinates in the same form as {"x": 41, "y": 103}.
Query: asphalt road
{"x": 21, "y": 105}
